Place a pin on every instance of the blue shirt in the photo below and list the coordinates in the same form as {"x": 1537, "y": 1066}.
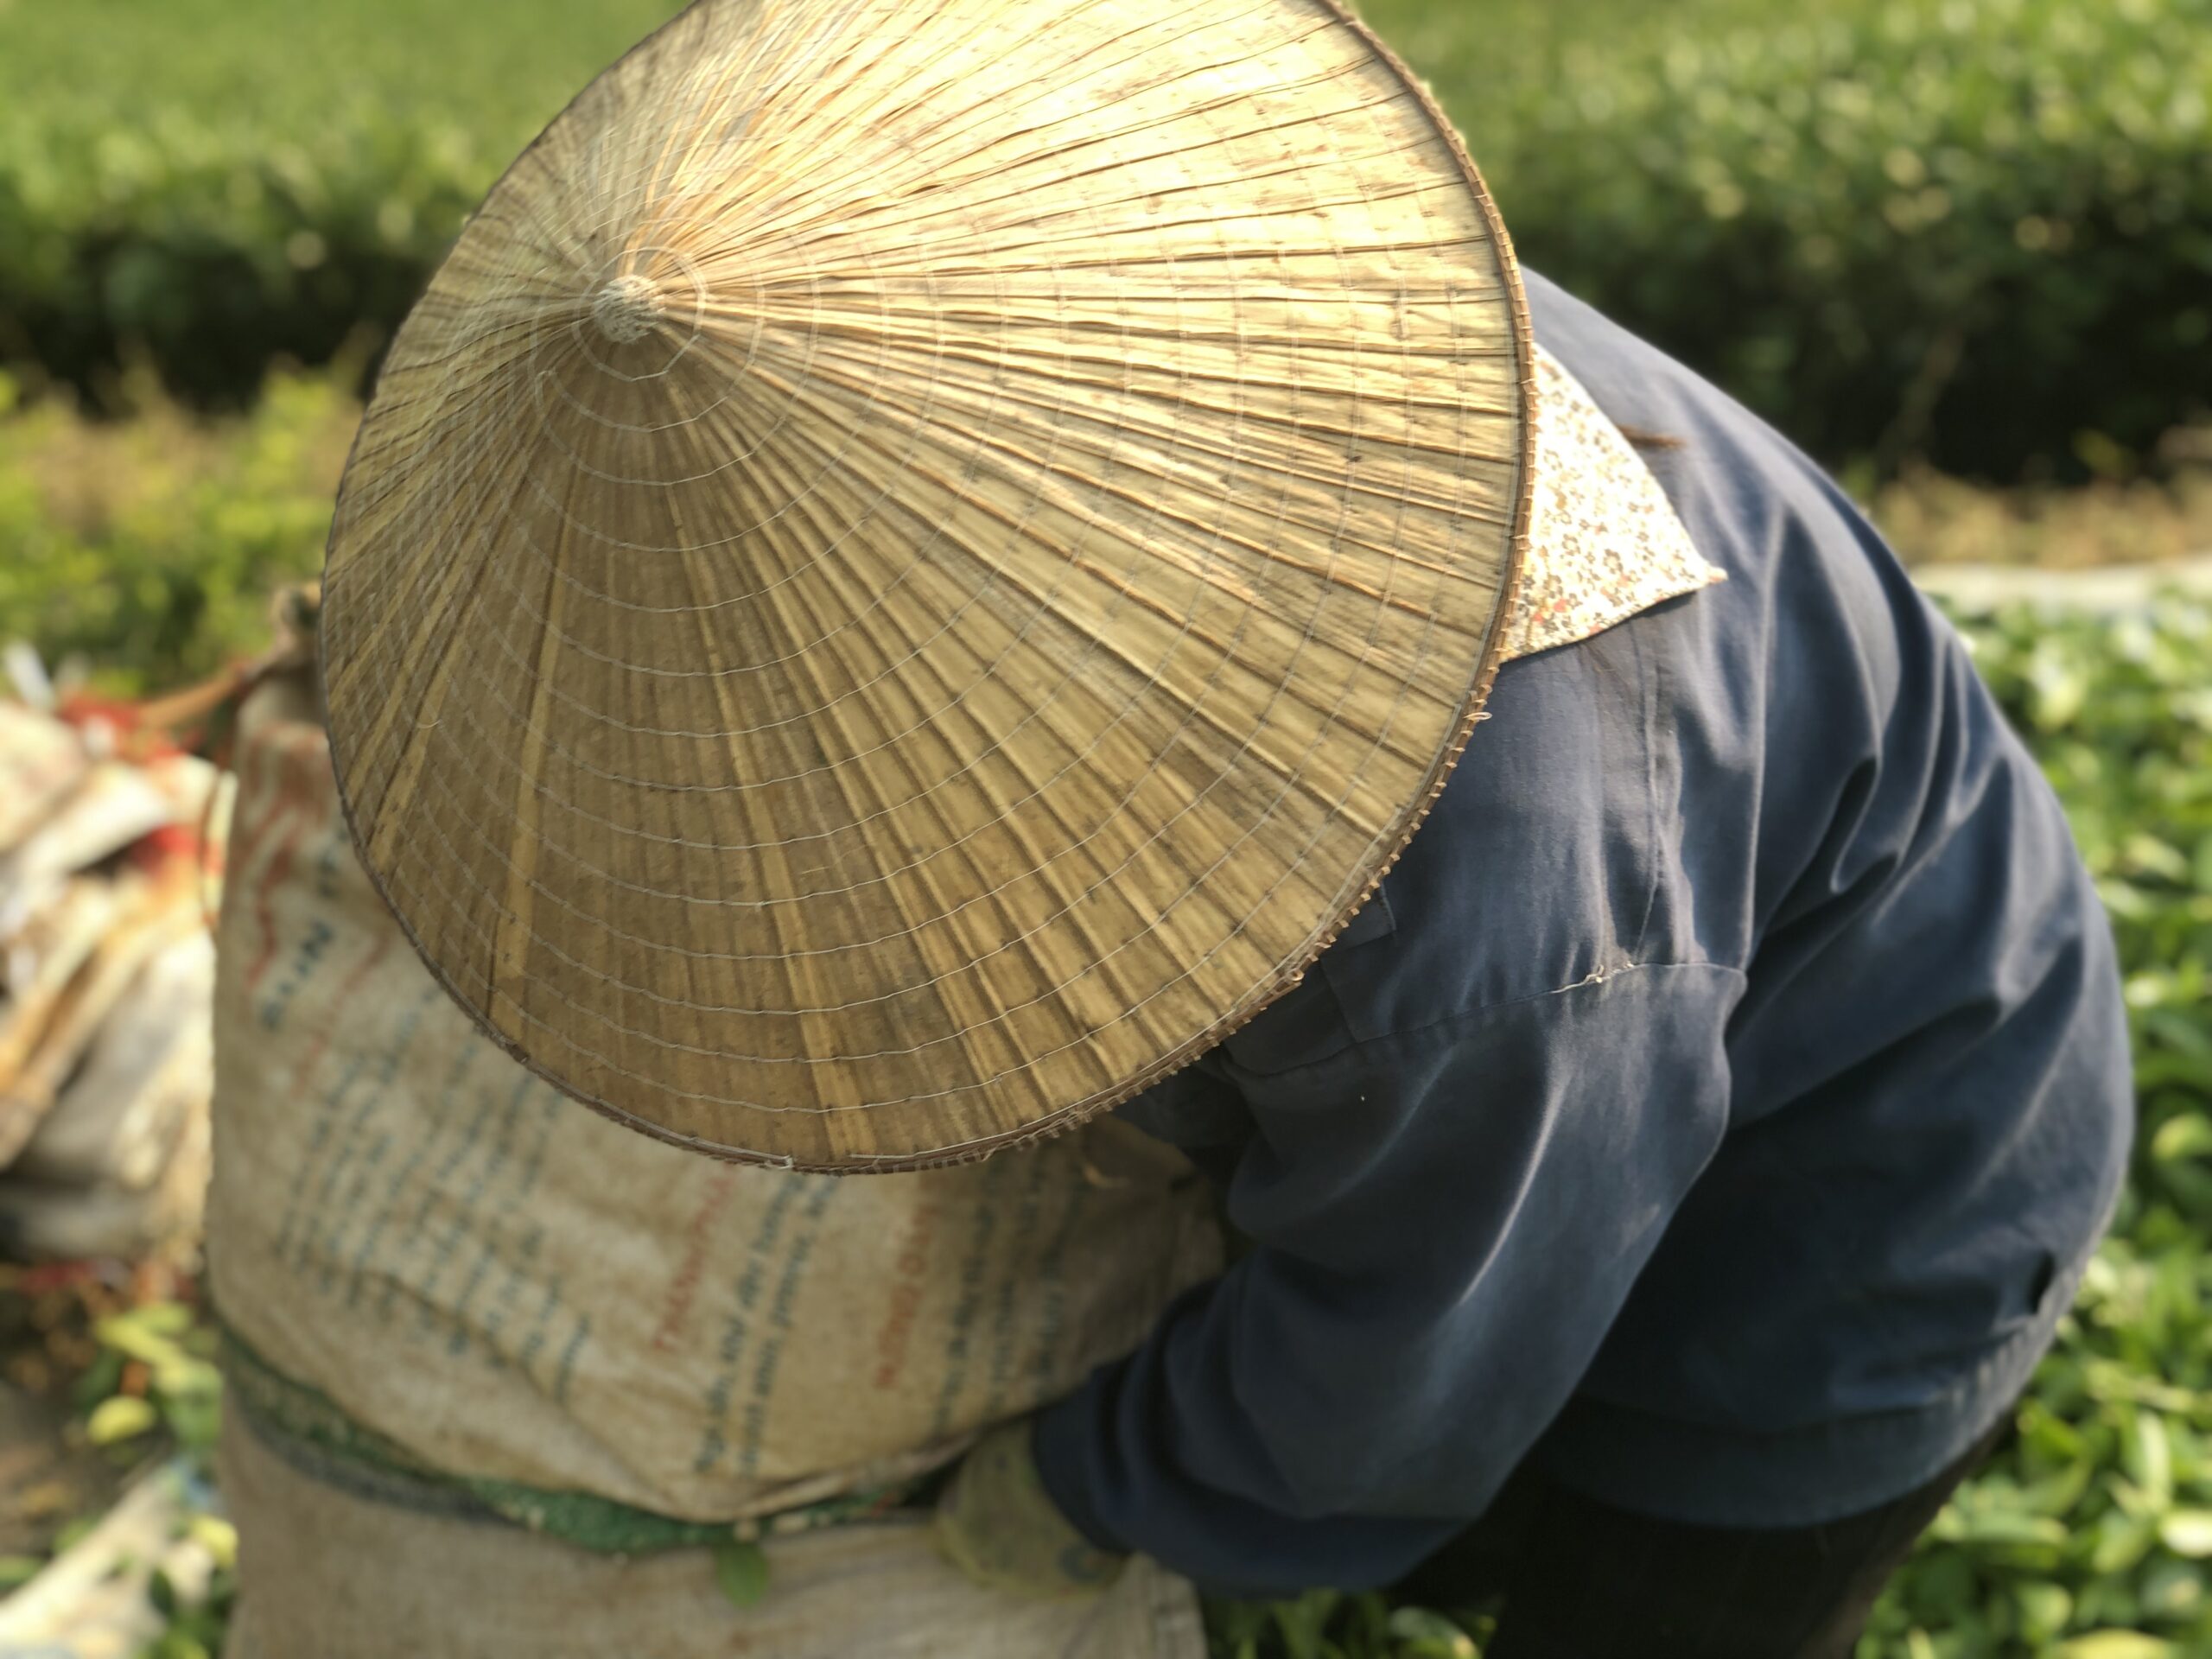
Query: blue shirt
{"x": 1717, "y": 1104}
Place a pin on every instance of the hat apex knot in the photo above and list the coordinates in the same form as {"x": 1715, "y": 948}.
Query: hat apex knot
{"x": 627, "y": 307}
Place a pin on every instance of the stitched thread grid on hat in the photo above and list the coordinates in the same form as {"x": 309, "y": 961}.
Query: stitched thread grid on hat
{"x": 917, "y": 559}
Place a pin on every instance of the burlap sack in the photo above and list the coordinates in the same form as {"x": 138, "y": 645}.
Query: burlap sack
{"x": 328, "y": 1575}
{"x": 512, "y": 1288}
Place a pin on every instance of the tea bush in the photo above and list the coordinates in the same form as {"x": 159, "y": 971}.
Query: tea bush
{"x": 1978, "y": 232}
{"x": 148, "y": 549}
{"x": 214, "y": 184}
{"x": 212, "y": 253}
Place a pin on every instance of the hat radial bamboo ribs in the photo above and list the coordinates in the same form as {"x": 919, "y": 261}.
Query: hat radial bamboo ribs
{"x": 918, "y": 560}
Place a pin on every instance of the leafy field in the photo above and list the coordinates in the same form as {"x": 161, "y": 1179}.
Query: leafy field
{"x": 1978, "y": 232}
{"x": 1973, "y": 232}
{"x": 149, "y": 547}
{"x": 212, "y": 185}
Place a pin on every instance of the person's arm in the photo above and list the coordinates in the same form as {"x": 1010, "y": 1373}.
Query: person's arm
{"x": 1445, "y": 1222}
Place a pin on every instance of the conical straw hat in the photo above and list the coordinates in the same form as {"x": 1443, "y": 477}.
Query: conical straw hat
{"x": 920, "y": 557}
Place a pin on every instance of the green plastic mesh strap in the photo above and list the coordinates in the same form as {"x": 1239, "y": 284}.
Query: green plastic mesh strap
{"x": 307, "y": 1428}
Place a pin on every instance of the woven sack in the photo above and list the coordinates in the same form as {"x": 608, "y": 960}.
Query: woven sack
{"x": 512, "y": 1288}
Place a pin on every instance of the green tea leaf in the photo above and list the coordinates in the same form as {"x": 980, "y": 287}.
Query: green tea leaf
{"x": 123, "y": 1417}
{"x": 2044, "y": 1608}
{"x": 195, "y": 1421}
{"x": 2121, "y": 1541}
{"x": 101, "y": 1378}
{"x": 1430, "y": 1635}
{"x": 2058, "y": 1494}
{"x": 2187, "y": 1533}
{"x": 218, "y": 1537}
{"x": 2172, "y": 1590}
{"x": 2115, "y": 1644}
{"x": 147, "y": 1333}
{"x": 2148, "y": 1458}
{"x": 2188, "y": 1136}
{"x": 741, "y": 1572}
{"x": 2005, "y": 1526}
{"x": 1303, "y": 1622}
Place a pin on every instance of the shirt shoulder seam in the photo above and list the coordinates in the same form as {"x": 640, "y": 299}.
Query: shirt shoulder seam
{"x": 1467, "y": 1015}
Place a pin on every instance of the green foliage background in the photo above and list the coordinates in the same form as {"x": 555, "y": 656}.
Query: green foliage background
{"x": 1978, "y": 231}
{"x": 148, "y": 549}
{"x": 1974, "y": 230}
{"x": 214, "y": 184}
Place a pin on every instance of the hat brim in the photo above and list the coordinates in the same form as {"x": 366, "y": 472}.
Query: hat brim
{"x": 897, "y": 587}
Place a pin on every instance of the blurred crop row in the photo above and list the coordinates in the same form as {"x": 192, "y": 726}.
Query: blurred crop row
{"x": 1976, "y": 234}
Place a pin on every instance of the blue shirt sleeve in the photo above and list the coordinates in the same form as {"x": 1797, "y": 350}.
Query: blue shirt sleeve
{"x": 1445, "y": 1222}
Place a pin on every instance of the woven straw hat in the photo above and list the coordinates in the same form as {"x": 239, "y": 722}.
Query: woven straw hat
{"x": 920, "y": 557}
